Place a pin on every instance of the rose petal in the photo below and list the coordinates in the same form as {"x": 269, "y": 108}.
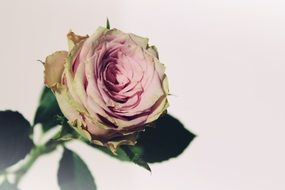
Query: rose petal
{"x": 74, "y": 39}
{"x": 54, "y": 66}
{"x": 66, "y": 104}
{"x": 153, "y": 51}
{"x": 140, "y": 41}
{"x": 160, "y": 108}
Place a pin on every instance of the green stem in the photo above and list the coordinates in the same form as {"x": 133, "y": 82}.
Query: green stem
{"x": 35, "y": 153}
{"x": 33, "y": 156}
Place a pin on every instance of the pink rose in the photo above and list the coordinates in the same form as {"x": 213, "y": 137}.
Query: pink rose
{"x": 109, "y": 85}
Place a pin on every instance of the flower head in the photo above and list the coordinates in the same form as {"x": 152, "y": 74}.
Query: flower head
{"x": 109, "y": 85}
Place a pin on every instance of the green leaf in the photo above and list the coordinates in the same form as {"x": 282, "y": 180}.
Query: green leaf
{"x": 15, "y": 143}
{"x": 8, "y": 186}
{"x": 108, "y": 24}
{"x": 135, "y": 155}
{"x": 48, "y": 110}
{"x": 166, "y": 140}
{"x": 73, "y": 173}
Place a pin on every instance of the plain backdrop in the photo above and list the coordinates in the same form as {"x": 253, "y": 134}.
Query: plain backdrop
{"x": 226, "y": 66}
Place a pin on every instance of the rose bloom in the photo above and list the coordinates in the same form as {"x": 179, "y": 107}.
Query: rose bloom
{"x": 108, "y": 86}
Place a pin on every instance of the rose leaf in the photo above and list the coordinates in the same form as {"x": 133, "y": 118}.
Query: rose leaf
{"x": 167, "y": 139}
{"x": 134, "y": 155}
{"x": 48, "y": 111}
{"x": 15, "y": 143}
{"x": 73, "y": 173}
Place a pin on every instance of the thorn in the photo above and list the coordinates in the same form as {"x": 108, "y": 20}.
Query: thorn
{"x": 108, "y": 24}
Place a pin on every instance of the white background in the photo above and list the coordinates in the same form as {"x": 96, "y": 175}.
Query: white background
{"x": 226, "y": 65}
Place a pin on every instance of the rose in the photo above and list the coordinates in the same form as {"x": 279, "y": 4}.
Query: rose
{"x": 108, "y": 86}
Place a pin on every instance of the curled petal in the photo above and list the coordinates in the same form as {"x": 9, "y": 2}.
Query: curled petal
{"x": 74, "y": 39}
{"x": 54, "y": 66}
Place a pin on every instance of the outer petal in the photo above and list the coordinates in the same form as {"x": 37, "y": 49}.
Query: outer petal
{"x": 70, "y": 110}
{"x": 92, "y": 42}
{"x": 66, "y": 104}
{"x": 54, "y": 66}
{"x": 140, "y": 41}
{"x": 159, "y": 110}
{"x": 115, "y": 143}
{"x": 163, "y": 104}
{"x": 74, "y": 39}
{"x": 153, "y": 51}
{"x": 70, "y": 74}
